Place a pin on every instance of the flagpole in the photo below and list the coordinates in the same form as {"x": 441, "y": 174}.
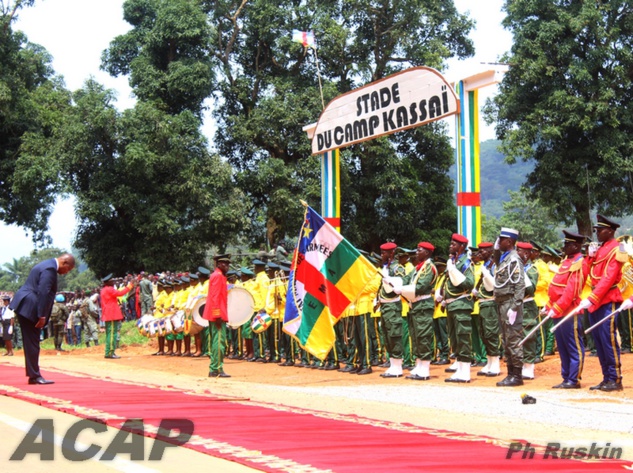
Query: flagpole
{"x": 316, "y": 60}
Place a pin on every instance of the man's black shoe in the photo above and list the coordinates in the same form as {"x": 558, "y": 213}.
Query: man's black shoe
{"x": 213, "y": 374}
{"x": 222, "y": 374}
{"x": 597, "y": 387}
{"x": 365, "y": 371}
{"x": 40, "y": 380}
{"x": 114, "y": 356}
{"x": 611, "y": 386}
{"x": 569, "y": 385}
{"x": 443, "y": 361}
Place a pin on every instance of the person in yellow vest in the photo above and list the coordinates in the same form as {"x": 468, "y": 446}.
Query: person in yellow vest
{"x": 479, "y": 350}
{"x": 161, "y": 309}
{"x": 260, "y": 290}
{"x": 274, "y": 308}
{"x": 194, "y": 290}
{"x": 179, "y": 302}
{"x": 624, "y": 321}
{"x": 287, "y": 343}
{"x": 245, "y": 331}
{"x": 439, "y": 317}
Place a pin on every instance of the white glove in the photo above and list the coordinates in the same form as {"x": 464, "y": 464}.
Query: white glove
{"x": 512, "y": 316}
{"x": 592, "y": 250}
{"x": 584, "y": 304}
{"x": 475, "y": 292}
{"x": 11, "y": 329}
{"x": 551, "y": 313}
{"x": 528, "y": 283}
{"x": 489, "y": 280}
{"x": 450, "y": 264}
{"x": 626, "y": 305}
{"x": 496, "y": 245}
{"x": 397, "y": 290}
{"x": 438, "y": 296}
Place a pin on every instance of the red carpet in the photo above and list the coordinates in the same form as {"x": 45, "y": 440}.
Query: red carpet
{"x": 280, "y": 438}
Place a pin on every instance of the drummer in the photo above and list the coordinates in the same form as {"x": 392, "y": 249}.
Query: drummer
{"x": 161, "y": 305}
{"x": 216, "y": 313}
{"x": 194, "y": 290}
{"x": 245, "y": 332}
{"x": 273, "y": 308}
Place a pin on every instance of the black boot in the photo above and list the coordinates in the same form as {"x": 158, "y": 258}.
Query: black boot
{"x": 88, "y": 343}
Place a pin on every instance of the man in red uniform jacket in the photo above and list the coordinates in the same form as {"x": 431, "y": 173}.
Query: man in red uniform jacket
{"x": 215, "y": 311}
{"x": 604, "y": 268}
{"x": 111, "y": 312}
{"x": 564, "y": 294}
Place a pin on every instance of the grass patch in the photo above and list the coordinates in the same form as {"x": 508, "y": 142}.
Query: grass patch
{"x": 130, "y": 336}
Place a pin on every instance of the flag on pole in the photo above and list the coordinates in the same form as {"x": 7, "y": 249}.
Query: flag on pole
{"x": 326, "y": 276}
{"x": 304, "y": 37}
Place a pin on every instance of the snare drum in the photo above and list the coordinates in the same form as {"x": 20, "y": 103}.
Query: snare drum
{"x": 178, "y": 321}
{"x": 240, "y": 305}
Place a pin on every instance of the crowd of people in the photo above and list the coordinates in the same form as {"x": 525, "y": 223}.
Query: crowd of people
{"x": 466, "y": 312}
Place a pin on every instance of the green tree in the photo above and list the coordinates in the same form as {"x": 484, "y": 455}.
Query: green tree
{"x": 533, "y": 221}
{"x": 269, "y": 90}
{"x": 564, "y": 104}
{"x": 28, "y": 187}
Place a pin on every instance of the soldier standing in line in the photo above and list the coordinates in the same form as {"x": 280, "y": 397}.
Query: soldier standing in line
{"x": 391, "y": 310}
{"x": 488, "y": 313}
{"x": 509, "y": 293}
{"x": 458, "y": 301}
{"x": 530, "y": 310}
{"x": 59, "y": 317}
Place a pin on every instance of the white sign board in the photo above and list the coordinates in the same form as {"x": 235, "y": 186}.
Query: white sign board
{"x": 410, "y": 98}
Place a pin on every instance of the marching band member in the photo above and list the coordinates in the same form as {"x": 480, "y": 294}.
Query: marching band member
{"x": 457, "y": 298}
{"x": 604, "y": 268}
{"x": 564, "y": 294}
{"x": 215, "y": 311}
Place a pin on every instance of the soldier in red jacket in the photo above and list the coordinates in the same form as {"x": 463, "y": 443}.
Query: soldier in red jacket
{"x": 564, "y": 294}
{"x": 215, "y": 311}
{"x": 604, "y": 268}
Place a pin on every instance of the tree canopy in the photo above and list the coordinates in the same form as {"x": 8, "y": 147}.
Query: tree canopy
{"x": 565, "y": 104}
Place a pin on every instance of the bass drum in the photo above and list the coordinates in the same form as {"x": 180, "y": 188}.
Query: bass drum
{"x": 240, "y": 306}
{"x": 178, "y": 321}
{"x": 198, "y": 323}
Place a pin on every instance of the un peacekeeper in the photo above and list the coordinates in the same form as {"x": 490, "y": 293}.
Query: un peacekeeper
{"x": 59, "y": 316}
{"x": 488, "y": 312}
{"x": 509, "y": 293}
{"x": 458, "y": 301}
{"x": 391, "y": 309}
{"x": 530, "y": 309}
{"x": 420, "y": 318}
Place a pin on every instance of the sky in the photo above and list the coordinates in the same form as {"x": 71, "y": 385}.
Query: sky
{"x": 75, "y": 33}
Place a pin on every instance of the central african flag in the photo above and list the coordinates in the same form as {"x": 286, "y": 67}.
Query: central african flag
{"x": 326, "y": 276}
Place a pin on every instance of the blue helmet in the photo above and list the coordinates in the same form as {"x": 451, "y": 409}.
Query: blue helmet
{"x": 60, "y": 298}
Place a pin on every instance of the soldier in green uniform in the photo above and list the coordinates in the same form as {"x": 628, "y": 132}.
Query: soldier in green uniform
{"x": 391, "y": 309}
{"x": 530, "y": 309}
{"x": 89, "y": 317}
{"x": 509, "y": 292}
{"x": 488, "y": 313}
{"x": 421, "y": 286}
{"x": 59, "y": 316}
{"x": 457, "y": 298}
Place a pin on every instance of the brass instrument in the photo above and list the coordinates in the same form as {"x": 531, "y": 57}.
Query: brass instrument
{"x": 626, "y": 246}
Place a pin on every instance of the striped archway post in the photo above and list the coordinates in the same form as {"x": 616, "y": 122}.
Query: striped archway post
{"x": 467, "y": 151}
{"x": 331, "y": 188}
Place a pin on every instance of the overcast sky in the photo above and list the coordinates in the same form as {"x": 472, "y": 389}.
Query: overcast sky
{"x": 75, "y": 32}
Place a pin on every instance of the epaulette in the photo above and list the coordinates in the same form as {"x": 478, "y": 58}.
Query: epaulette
{"x": 621, "y": 255}
{"x": 576, "y": 265}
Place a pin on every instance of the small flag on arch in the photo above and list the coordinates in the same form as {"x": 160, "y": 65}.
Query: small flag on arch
{"x": 304, "y": 37}
{"x": 327, "y": 275}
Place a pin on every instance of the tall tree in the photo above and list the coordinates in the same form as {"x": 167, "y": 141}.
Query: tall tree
{"x": 269, "y": 90}
{"x": 564, "y": 104}
{"x": 28, "y": 186}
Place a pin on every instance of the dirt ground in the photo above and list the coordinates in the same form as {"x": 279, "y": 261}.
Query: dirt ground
{"x": 267, "y": 384}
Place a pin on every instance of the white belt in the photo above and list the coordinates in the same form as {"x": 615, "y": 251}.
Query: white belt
{"x": 448, "y": 301}
{"x": 422, "y": 297}
{"x": 528, "y": 299}
{"x": 385, "y": 301}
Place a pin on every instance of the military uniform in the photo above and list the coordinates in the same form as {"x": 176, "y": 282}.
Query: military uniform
{"x": 489, "y": 319}
{"x": 216, "y": 312}
{"x": 605, "y": 271}
{"x": 420, "y": 317}
{"x": 530, "y": 315}
{"x": 564, "y": 294}
{"x": 391, "y": 313}
{"x": 509, "y": 293}
{"x": 58, "y": 319}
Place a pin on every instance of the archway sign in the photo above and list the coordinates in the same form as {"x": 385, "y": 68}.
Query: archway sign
{"x": 404, "y": 100}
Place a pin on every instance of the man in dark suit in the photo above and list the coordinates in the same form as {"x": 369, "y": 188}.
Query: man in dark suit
{"x": 33, "y": 303}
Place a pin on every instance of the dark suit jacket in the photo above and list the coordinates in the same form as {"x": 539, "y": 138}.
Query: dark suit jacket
{"x": 35, "y": 299}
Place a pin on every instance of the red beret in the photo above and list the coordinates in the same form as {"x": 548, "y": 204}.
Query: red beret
{"x": 484, "y": 244}
{"x": 525, "y": 245}
{"x": 459, "y": 238}
{"x": 426, "y": 245}
{"x": 388, "y": 246}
